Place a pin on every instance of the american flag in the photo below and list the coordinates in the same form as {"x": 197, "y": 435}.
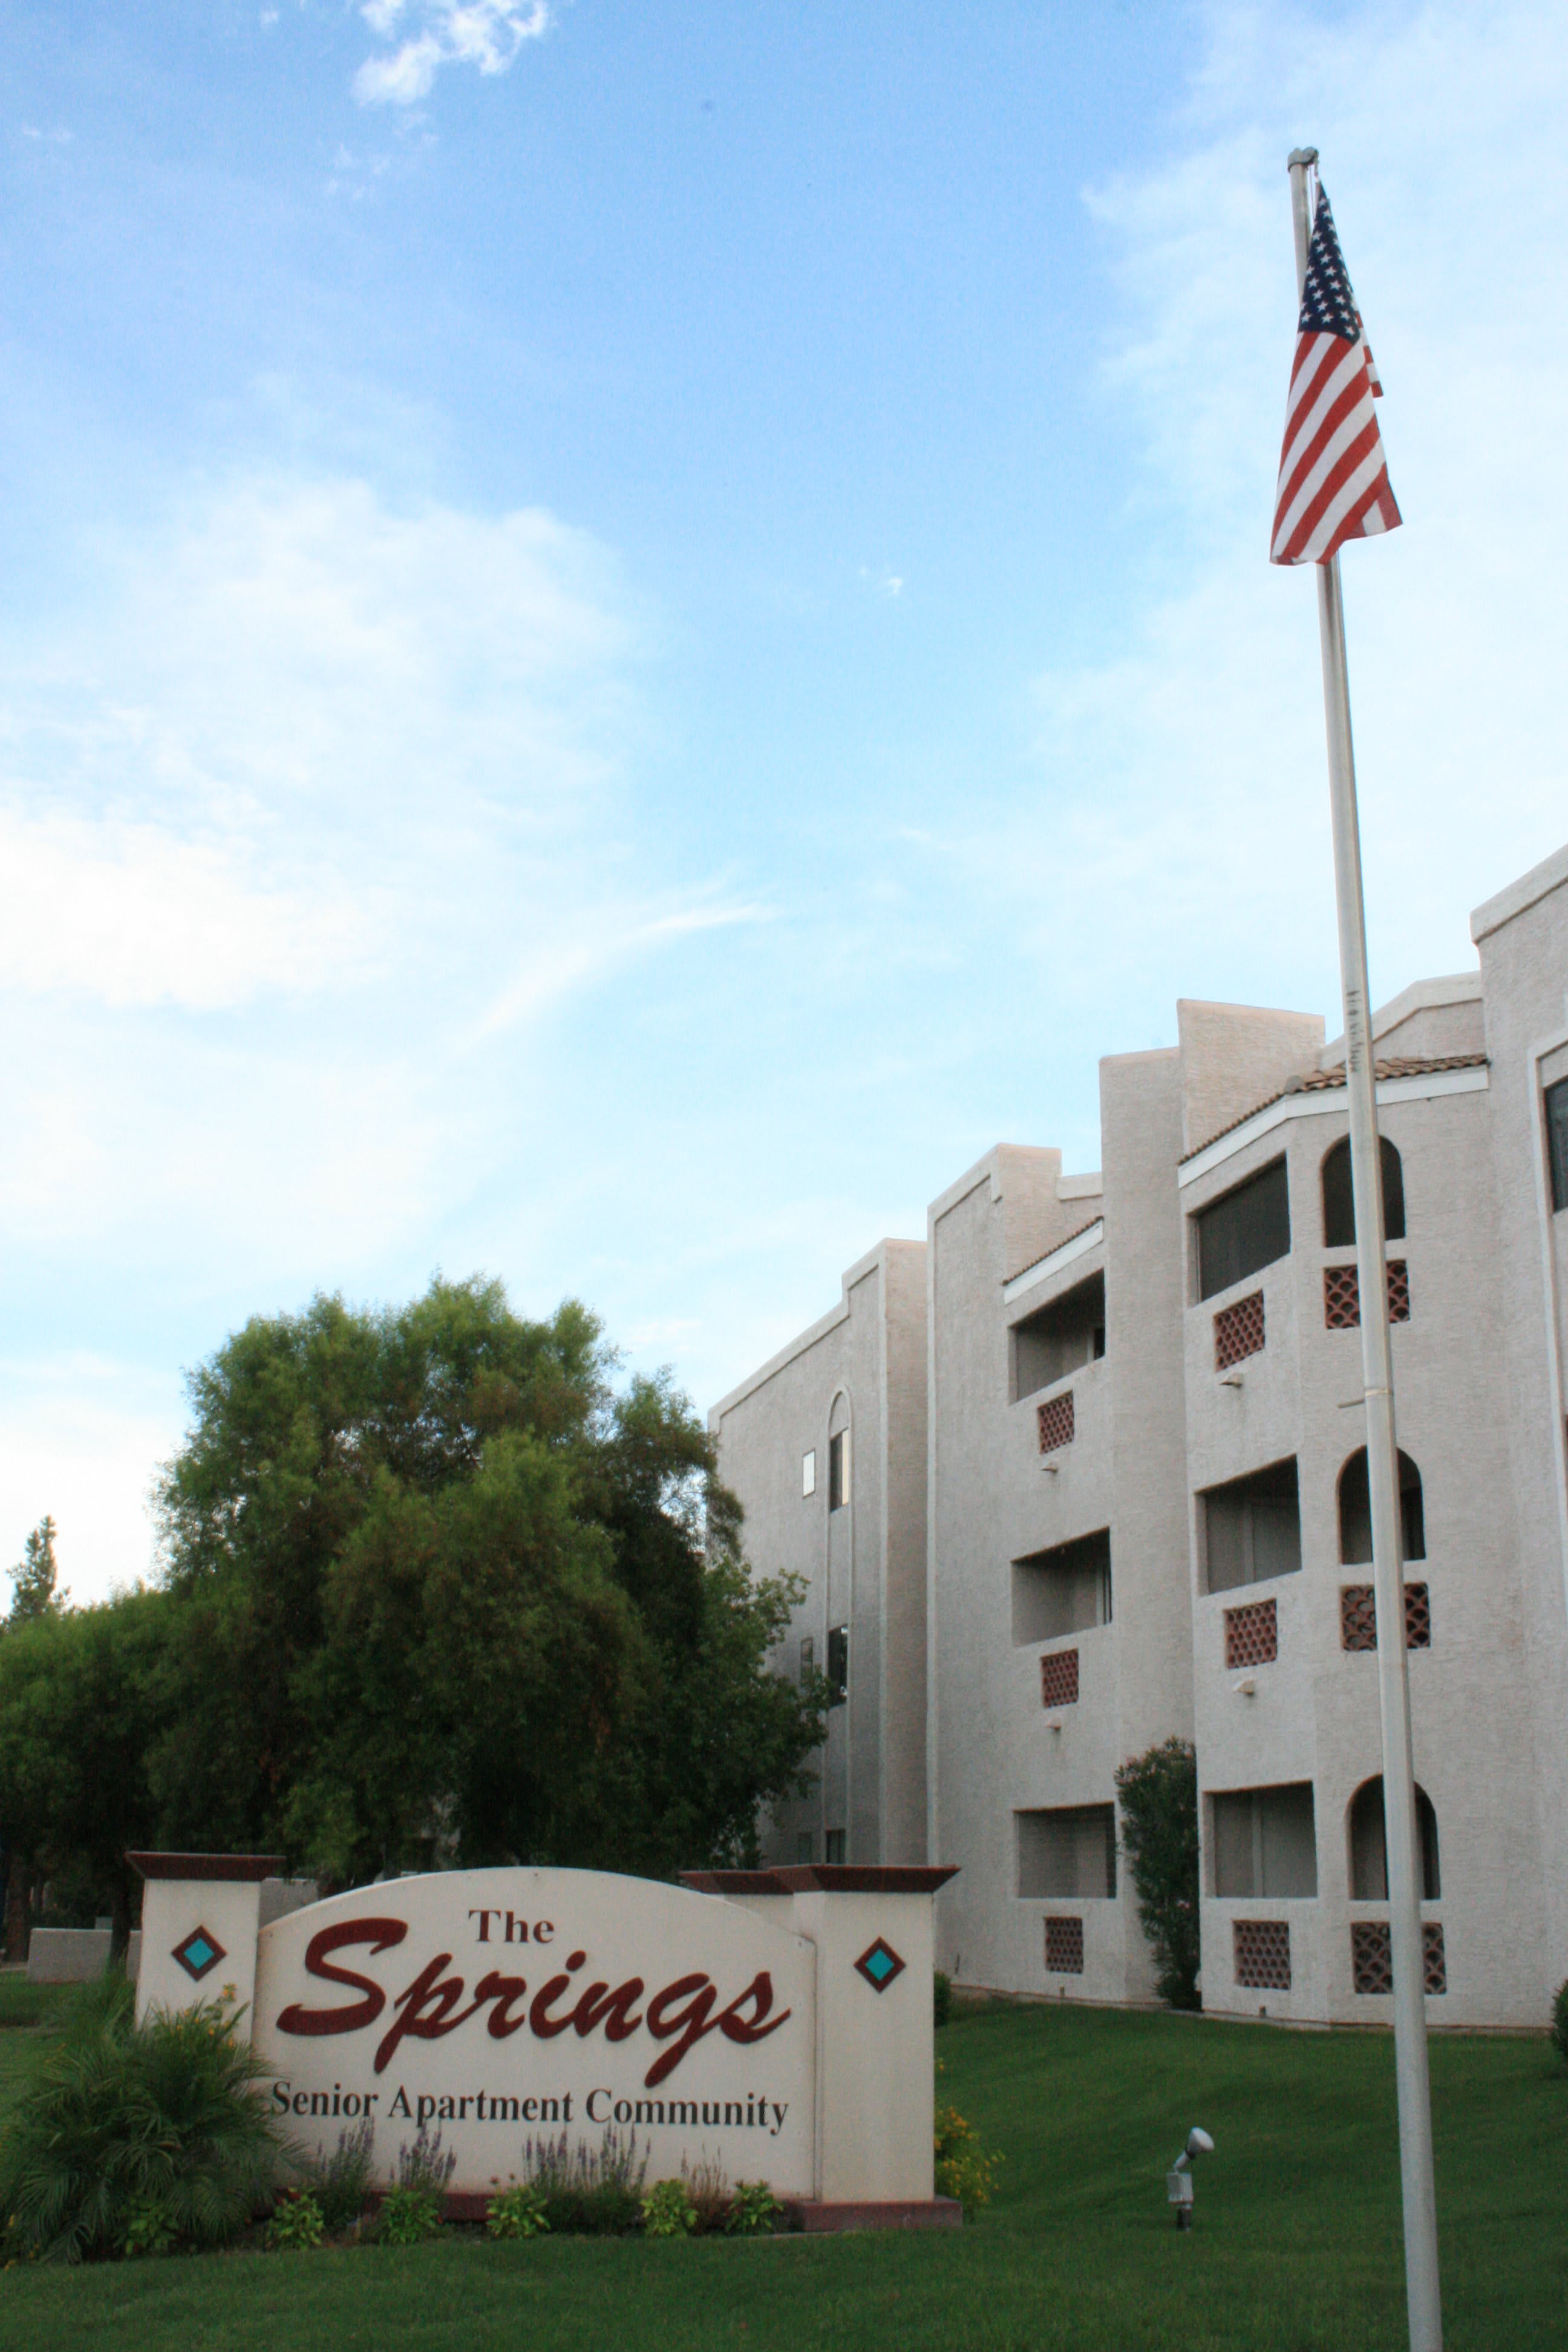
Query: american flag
{"x": 1334, "y": 476}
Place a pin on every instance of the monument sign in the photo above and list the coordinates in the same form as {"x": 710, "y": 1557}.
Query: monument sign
{"x": 777, "y": 2023}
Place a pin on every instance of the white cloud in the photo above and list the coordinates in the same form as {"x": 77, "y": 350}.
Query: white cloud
{"x": 483, "y": 33}
{"x": 133, "y": 915}
{"x": 1183, "y": 832}
{"x": 83, "y": 1437}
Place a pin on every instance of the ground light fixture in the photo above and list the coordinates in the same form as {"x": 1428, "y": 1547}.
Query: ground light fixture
{"x": 1179, "y": 2180}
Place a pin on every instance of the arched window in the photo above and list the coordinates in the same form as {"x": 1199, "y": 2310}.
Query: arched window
{"x": 1369, "y": 1847}
{"x": 1339, "y": 1206}
{"x": 1355, "y": 1510}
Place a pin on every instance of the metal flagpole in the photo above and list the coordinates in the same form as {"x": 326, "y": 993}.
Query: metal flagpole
{"x": 1401, "y": 1845}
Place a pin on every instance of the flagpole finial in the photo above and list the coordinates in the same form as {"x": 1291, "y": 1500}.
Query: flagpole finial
{"x": 1300, "y": 155}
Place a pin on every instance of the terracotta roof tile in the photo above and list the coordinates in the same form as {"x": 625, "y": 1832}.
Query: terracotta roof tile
{"x": 1395, "y": 1066}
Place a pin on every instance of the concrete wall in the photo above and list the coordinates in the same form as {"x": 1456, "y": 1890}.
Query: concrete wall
{"x": 860, "y": 1370}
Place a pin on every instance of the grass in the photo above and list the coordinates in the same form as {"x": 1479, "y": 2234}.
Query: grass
{"x": 1296, "y": 2247}
{"x": 22, "y": 2003}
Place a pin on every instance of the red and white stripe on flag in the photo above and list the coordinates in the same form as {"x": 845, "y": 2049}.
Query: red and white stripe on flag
{"x": 1333, "y": 477}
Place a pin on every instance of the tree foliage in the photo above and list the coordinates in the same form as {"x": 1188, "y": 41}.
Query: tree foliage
{"x": 433, "y": 1592}
{"x": 1159, "y": 1800}
{"x": 36, "y": 1576}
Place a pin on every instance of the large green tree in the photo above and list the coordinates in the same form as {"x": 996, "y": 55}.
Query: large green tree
{"x": 81, "y": 1693}
{"x": 439, "y": 1594}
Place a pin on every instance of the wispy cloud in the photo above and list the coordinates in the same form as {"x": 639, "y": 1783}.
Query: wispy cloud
{"x": 425, "y": 34}
{"x": 1181, "y": 839}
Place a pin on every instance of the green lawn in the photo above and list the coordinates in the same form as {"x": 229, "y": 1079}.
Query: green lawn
{"x": 1296, "y": 2243}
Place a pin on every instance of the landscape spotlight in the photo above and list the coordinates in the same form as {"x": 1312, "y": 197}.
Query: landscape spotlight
{"x": 1179, "y": 2180}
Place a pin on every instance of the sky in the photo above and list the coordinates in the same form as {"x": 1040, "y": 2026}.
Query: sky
{"x": 629, "y": 633}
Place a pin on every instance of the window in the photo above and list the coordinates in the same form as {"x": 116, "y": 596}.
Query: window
{"x": 1056, "y": 1339}
{"x": 804, "y": 1846}
{"x": 1355, "y": 1510}
{"x": 1248, "y": 1228}
{"x": 1251, "y": 1528}
{"x": 1062, "y": 1591}
{"x": 1265, "y": 1842}
{"x": 1369, "y": 1848}
{"x": 835, "y": 1843}
{"x": 1339, "y": 1204}
{"x": 1556, "y": 1108}
{"x": 808, "y": 1658}
{"x": 808, "y": 1473}
{"x": 1069, "y": 1850}
{"x": 837, "y": 1664}
{"x": 838, "y": 1470}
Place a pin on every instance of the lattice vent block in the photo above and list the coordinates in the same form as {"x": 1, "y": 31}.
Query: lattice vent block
{"x": 1064, "y": 1947}
{"x": 1238, "y": 1331}
{"x": 1358, "y": 1617}
{"x": 1263, "y": 1954}
{"x": 1252, "y": 1635}
{"x": 1341, "y": 1295}
{"x": 1372, "y": 1957}
{"x": 1058, "y": 1678}
{"x": 1055, "y": 1419}
{"x": 1436, "y": 1960}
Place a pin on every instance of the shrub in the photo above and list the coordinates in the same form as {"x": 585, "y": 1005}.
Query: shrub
{"x": 340, "y": 2182}
{"x": 517, "y": 2212}
{"x": 668, "y": 2211}
{"x": 753, "y": 2209}
{"x": 708, "y": 2191}
{"x": 297, "y": 2222}
{"x": 1159, "y": 1795}
{"x": 129, "y": 2137}
{"x": 941, "y": 1997}
{"x": 407, "y": 2217}
{"x": 149, "y": 2230}
{"x": 411, "y": 2209}
{"x": 963, "y": 2170}
{"x": 594, "y": 2190}
{"x": 1560, "y": 2022}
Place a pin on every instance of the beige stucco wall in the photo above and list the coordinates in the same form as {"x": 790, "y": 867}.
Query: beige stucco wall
{"x": 946, "y": 1739}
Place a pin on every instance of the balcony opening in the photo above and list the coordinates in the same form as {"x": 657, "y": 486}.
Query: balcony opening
{"x": 1368, "y": 1845}
{"x": 1555, "y": 1105}
{"x": 838, "y": 1470}
{"x": 1339, "y": 1202}
{"x": 1356, "y": 1511}
{"x": 1265, "y": 1840}
{"x": 1250, "y": 1527}
{"x": 837, "y": 1664}
{"x": 1062, "y": 1591}
{"x": 1244, "y": 1229}
{"x": 1071, "y": 1850}
{"x": 1058, "y": 1338}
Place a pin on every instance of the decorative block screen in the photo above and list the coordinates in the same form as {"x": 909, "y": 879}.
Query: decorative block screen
{"x": 1342, "y": 1295}
{"x": 1064, "y": 1947}
{"x": 1252, "y": 1635}
{"x": 1058, "y": 1678}
{"x": 1055, "y": 1423}
{"x": 1436, "y": 1971}
{"x": 1372, "y": 1957}
{"x": 1358, "y": 1617}
{"x": 1238, "y": 1330}
{"x": 1263, "y": 1954}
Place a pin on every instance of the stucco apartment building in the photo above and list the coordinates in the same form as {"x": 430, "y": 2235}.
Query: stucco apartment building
{"x": 1087, "y": 1468}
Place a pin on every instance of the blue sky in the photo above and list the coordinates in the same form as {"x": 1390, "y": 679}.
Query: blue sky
{"x": 625, "y": 635}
